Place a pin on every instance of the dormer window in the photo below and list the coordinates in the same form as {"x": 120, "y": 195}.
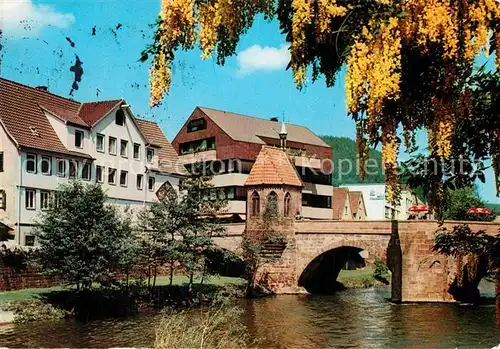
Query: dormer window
{"x": 149, "y": 155}
{"x": 120, "y": 117}
{"x": 78, "y": 139}
{"x": 197, "y": 125}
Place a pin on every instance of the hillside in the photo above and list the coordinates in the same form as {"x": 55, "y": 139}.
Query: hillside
{"x": 344, "y": 158}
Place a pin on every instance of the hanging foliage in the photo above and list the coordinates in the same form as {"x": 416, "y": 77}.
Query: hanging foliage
{"x": 409, "y": 62}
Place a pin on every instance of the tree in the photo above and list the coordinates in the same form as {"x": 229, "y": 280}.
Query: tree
{"x": 459, "y": 201}
{"x": 179, "y": 227}
{"x": 83, "y": 240}
{"x": 160, "y": 222}
{"x": 410, "y": 64}
{"x": 201, "y": 205}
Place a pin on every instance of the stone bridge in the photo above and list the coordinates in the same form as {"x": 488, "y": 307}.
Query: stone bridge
{"x": 316, "y": 251}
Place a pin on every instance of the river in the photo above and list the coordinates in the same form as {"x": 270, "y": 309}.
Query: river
{"x": 356, "y": 318}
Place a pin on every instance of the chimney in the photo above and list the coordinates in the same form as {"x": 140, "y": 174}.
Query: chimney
{"x": 42, "y": 88}
{"x": 274, "y": 119}
{"x": 283, "y": 134}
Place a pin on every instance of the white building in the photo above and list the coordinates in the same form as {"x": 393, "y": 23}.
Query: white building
{"x": 377, "y": 207}
{"x": 46, "y": 140}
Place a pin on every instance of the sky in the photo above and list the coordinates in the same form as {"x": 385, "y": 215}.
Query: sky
{"x": 41, "y": 39}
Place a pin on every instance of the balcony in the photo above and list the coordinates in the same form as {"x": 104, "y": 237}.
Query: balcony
{"x": 306, "y": 161}
{"x": 229, "y": 180}
{"x": 203, "y": 156}
{"x": 316, "y": 213}
{"x": 317, "y": 189}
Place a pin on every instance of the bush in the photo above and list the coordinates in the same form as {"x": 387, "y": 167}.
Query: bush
{"x": 34, "y": 310}
{"x": 210, "y": 328}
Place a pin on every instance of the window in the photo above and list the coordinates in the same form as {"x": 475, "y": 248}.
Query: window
{"x": 286, "y": 207}
{"x": 1, "y": 161}
{"x": 124, "y": 148}
{"x": 319, "y": 201}
{"x": 196, "y": 146}
{"x": 61, "y": 168}
{"x": 73, "y": 168}
{"x": 29, "y": 240}
{"x": 123, "y": 178}
{"x": 139, "y": 181}
{"x": 112, "y": 145}
{"x": 44, "y": 199}
{"x": 3, "y": 198}
{"x": 197, "y": 125}
{"x": 86, "y": 171}
{"x": 112, "y": 176}
{"x": 31, "y": 163}
{"x": 78, "y": 139}
{"x": 149, "y": 155}
{"x": 151, "y": 183}
{"x": 46, "y": 165}
{"x": 98, "y": 174}
{"x": 99, "y": 143}
{"x": 255, "y": 209}
{"x": 30, "y": 197}
{"x": 120, "y": 117}
{"x": 137, "y": 151}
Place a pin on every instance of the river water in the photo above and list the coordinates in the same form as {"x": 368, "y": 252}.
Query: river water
{"x": 356, "y": 318}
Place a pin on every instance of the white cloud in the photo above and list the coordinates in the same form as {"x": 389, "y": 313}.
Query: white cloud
{"x": 265, "y": 58}
{"x": 23, "y": 18}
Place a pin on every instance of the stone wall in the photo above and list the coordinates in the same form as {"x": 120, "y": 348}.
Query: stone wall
{"x": 10, "y": 279}
{"x": 426, "y": 275}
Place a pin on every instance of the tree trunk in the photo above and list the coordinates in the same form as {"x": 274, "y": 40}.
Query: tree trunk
{"x": 171, "y": 273}
{"x": 154, "y": 276}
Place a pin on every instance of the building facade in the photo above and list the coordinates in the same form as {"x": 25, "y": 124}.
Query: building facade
{"x": 376, "y": 205}
{"x": 47, "y": 140}
{"x": 228, "y": 144}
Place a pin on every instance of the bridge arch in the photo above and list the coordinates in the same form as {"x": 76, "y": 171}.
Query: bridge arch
{"x": 318, "y": 270}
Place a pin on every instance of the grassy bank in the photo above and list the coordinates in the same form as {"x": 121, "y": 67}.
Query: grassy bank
{"x": 30, "y": 293}
{"x": 359, "y": 278}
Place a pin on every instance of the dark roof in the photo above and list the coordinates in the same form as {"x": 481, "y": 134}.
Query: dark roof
{"x": 167, "y": 157}
{"x": 249, "y": 129}
{"x": 273, "y": 166}
{"x": 92, "y": 112}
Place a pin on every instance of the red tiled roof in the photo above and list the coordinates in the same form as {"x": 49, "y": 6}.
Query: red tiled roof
{"x": 339, "y": 197}
{"x": 167, "y": 159}
{"x": 22, "y": 114}
{"x": 354, "y": 198}
{"x": 92, "y": 112}
{"x": 21, "y": 110}
{"x": 273, "y": 166}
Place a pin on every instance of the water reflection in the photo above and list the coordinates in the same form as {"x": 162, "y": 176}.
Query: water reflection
{"x": 349, "y": 319}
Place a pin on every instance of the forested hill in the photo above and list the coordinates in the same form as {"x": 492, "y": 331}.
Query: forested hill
{"x": 344, "y": 157}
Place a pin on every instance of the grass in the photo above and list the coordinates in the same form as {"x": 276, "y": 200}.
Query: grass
{"x": 30, "y": 293}
{"x": 359, "y": 278}
{"x": 214, "y": 327}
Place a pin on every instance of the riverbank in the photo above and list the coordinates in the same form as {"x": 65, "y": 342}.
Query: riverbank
{"x": 117, "y": 300}
{"x": 360, "y": 278}
{"x": 30, "y": 293}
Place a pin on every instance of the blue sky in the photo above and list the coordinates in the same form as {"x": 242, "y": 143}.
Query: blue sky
{"x": 35, "y": 52}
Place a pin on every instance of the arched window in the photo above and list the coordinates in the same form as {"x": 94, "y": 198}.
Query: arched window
{"x": 120, "y": 117}
{"x": 255, "y": 209}
{"x": 286, "y": 207}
